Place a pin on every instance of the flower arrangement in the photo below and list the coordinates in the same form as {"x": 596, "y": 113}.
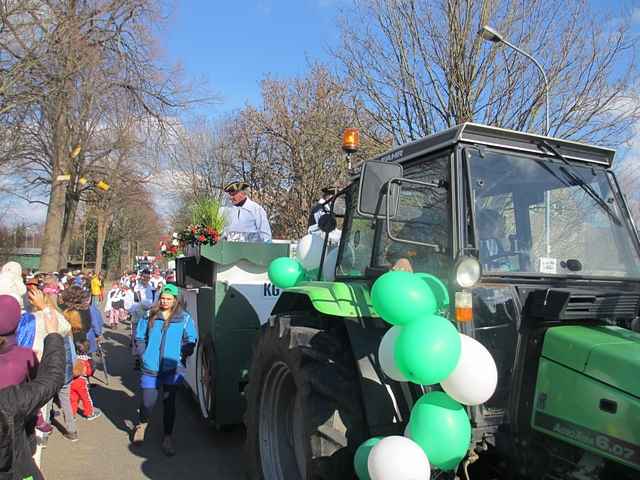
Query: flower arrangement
{"x": 172, "y": 250}
{"x": 206, "y": 226}
{"x": 199, "y": 234}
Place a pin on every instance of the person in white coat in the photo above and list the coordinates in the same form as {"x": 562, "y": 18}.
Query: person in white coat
{"x": 246, "y": 220}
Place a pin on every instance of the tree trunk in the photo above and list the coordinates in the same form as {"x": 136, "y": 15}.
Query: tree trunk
{"x": 125, "y": 255}
{"x": 55, "y": 213}
{"x": 103, "y": 224}
{"x": 71, "y": 208}
{"x": 53, "y": 225}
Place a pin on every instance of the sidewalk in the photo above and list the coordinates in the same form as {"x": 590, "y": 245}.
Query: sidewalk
{"x": 104, "y": 452}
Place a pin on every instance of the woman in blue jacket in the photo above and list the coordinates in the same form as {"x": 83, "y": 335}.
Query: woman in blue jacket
{"x": 165, "y": 337}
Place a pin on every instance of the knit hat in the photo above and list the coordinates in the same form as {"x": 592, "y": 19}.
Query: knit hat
{"x": 10, "y": 284}
{"x": 13, "y": 267}
{"x": 171, "y": 289}
{"x": 9, "y": 315}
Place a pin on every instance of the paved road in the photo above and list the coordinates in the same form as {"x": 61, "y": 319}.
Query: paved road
{"x": 104, "y": 452}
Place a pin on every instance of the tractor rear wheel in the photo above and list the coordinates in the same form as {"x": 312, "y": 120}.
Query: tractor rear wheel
{"x": 304, "y": 414}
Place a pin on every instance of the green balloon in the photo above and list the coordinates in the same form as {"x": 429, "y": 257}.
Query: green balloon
{"x": 285, "y": 272}
{"x": 361, "y": 458}
{"x": 440, "y": 425}
{"x": 400, "y": 297}
{"x": 427, "y": 350}
{"x": 439, "y": 289}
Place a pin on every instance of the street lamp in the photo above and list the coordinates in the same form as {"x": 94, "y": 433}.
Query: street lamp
{"x": 492, "y": 35}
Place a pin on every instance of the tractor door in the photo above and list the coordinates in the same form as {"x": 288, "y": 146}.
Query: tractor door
{"x": 416, "y": 227}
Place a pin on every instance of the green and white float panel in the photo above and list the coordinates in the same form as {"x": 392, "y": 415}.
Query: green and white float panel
{"x": 229, "y": 309}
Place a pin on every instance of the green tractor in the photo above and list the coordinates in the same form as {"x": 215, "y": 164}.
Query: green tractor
{"x": 536, "y": 245}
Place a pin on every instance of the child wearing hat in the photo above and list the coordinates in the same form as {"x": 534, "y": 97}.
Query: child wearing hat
{"x": 164, "y": 337}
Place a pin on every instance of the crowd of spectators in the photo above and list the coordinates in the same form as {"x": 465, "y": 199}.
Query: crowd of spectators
{"x": 34, "y": 305}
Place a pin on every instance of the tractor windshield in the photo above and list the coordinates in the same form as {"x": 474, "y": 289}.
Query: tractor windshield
{"x": 548, "y": 217}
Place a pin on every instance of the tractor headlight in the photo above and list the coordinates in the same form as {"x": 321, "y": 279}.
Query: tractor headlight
{"x": 467, "y": 272}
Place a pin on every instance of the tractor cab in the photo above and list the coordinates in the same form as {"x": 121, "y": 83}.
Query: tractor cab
{"x": 528, "y": 233}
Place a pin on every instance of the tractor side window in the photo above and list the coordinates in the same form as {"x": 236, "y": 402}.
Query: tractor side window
{"x": 357, "y": 241}
{"x": 423, "y": 215}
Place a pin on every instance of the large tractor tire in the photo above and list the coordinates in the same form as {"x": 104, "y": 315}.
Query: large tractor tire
{"x": 304, "y": 414}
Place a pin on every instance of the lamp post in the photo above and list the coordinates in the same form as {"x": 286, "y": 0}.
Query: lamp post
{"x": 491, "y": 34}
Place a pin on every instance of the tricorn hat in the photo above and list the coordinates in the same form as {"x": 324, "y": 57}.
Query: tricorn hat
{"x": 235, "y": 186}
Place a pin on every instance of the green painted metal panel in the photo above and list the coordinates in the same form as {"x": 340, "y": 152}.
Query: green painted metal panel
{"x": 580, "y": 410}
{"x": 618, "y": 364}
{"x": 205, "y": 305}
{"x": 609, "y": 354}
{"x": 227, "y": 253}
{"x": 338, "y": 298}
{"x": 234, "y": 328}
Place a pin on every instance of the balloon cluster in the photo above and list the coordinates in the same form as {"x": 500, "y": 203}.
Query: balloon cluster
{"x": 286, "y": 272}
{"x": 425, "y": 348}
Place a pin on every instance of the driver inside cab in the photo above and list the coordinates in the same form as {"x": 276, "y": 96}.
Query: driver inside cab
{"x": 495, "y": 248}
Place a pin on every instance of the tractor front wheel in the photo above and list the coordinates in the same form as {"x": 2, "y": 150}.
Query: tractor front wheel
{"x": 304, "y": 409}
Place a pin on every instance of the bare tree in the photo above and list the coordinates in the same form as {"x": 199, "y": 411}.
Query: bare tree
{"x": 418, "y": 66}
{"x": 115, "y": 233}
{"x": 290, "y": 148}
{"x": 93, "y": 52}
{"x": 201, "y": 160}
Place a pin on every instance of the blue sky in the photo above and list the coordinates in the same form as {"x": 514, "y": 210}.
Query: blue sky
{"x": 233, "y": 45}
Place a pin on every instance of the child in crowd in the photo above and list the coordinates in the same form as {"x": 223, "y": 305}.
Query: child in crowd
{"x": 119, "y": 305}
{"x": 129, "y": 300}
{"x": 110, "y": 308}
{"x": 80, "y": 389}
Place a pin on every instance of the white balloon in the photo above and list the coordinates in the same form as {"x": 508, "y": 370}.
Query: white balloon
{"x": 309, "y": 251}
{"x": 398, "y": 458}
{"x": 329, "y": 266}
{"x": 475, "y": 378}
{"x": 386, "y": 354}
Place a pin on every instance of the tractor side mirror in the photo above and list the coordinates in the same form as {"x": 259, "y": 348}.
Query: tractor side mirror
{"x": 374, "y": 183}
